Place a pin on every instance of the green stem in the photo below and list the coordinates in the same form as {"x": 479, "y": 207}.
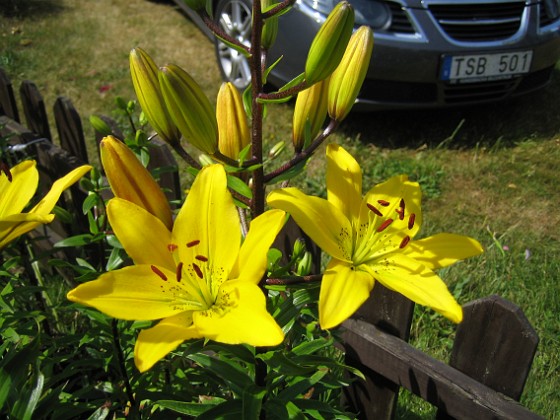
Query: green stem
{"x": 304, "y": 154}
{"x": 122, "y": 367}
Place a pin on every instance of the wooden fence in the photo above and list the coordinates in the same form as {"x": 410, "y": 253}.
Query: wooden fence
{"x": 494, "y": 345}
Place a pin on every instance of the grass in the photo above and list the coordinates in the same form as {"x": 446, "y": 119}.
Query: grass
{"x": 489, "y": 172}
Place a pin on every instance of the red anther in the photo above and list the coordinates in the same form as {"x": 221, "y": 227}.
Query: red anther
{"x": 172, "y": 247}
{"x": 158, "y": 272}
{"x": 404, "y": 242}
{"x": 384, "y": 225}
{"x": 197, "y": 270}
{"x": 383, "y": 203}
{"x": 400, "y": 212}
{"x": 193, "y": 243}
{"x": 401, "y": 215}
{"x": 179, "y": 272}
{"x": 374, "y": 209}
{"x": 201, "y": 258}
{"x": 411, "y": 219}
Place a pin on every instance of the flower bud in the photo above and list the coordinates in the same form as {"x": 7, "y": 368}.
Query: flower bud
{"x": 346, "y": 81}
{"x": 329, "y": 44}
{"x": 131, "y": 181}
{"x": 270, "y": 27}
{"x": 190, "y": 109}
{"x": 299, "y": 248}
{"x": 305, "y": 265}
{"x": 276, "y": 150}
{"x": 233, "y": 129}
{"x": 310, "y": 108}
{"x": 144, "y": 74}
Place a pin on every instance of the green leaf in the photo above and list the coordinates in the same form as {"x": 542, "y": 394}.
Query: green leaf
{"x": 100, "y": 126}
{"x": 90, "y": 202}
{"x": 243, "y": 51}
{"x": 310, "y": 347}
{"x": 228, "y": 410}
{"x": 239, "y": 186}
{"x": 302, "y": 385}
{"x": 232, "y": 373}
{"x": 115, "y": 260}
{"x": 62, "y": 215}
{"x": 76, "y": 241}
{"x": 183, "y": 407}
{"x": 290, "y": 173}
{"x": 35, "y": 396}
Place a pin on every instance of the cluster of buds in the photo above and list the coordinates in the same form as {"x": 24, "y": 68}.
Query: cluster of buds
{"x": 335, "y": 69}
{"x": 175, "y": 105}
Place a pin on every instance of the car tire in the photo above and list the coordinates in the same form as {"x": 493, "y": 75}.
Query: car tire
{"x": 234, "y": 18}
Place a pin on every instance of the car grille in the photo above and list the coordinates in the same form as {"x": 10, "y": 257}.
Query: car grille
{"x": 399, "y": 19}
{"x": 479, "y": 22}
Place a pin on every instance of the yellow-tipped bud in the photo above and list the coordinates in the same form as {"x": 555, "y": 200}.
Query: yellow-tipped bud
{"x": 144, "y": 74}
{"x": 131, "y": 181}
{"x": 311, "y": 109}
{"x": 276, "y": 150}
{"x": 270, "y": 27}
{"x": 233, "y": 129}
{"x": 346, "y": 81}
{"x": 190, "y": 109}
{"x": 329, "y": 44}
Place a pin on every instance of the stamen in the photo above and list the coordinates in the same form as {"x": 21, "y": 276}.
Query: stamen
{"x": 172, "y": 247}
{"x": 411, "y": 219}
{"x": 158, "y": 272}
{"x": 201, "y": 258}
{"x": 384, "y": 225}
{"x": 193, "y": 243}
{"x": 374, "y": 209}
{"x": 179, "y": 272}
{"x": 384, "y": 203}
{"x": 401, "y": 213}
{"x": 197, "y": 270}
{"x": 404, "y": 242}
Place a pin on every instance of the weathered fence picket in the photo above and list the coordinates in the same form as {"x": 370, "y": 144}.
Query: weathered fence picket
{"x": 494, "y": 345}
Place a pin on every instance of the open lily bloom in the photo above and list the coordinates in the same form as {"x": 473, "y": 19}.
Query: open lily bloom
{"x": 199, "y": 279}
{"x": 370, "y": 238}
{"x": 15, "y": 195}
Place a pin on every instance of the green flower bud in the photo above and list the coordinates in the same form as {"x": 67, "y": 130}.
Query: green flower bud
{"x": 190, "y": 109}
{"x": 233, "y": 129}
{"x": 305, "y": 265}
{"x": 205, "y": 160}
{"x": 276, "y": 150}
{"x": 144, "y": 74}
{"x": 299, "y": 248}
{"x": 329, "y": 44}
{"x": 311, "y": 109}
{"x": 270, "y": 28}
{"x": 346, "y": 81}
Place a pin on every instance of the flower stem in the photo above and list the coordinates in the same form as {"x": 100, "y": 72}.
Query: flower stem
{"x": 124, "y": 374}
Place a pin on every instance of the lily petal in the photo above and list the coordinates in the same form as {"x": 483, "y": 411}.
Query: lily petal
{"x": 210, "y": 218}
{"x": 252, "y": 260}
{"x": 143, "y": 235}
{"x": 324, "y": 223}
{"x": 418, "y": 283}
{"x": 239, "y": 316}
{"x": 139, "y": 292}
{"x": 15, "y": 195}
{"x": 443, "y": 249}
{"x": 17, "y": 224}
{"x": 49, "y": 200}
{"x": 153, "y": 344}
{"x": 344, "y": 182}
{"x": 343, "y": 290}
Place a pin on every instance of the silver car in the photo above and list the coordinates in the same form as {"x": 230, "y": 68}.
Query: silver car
{"x": 427, "y": 53}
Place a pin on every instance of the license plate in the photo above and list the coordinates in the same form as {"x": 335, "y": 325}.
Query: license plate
{"x": 481, "y": 67}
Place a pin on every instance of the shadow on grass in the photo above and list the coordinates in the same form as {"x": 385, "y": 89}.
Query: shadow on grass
{"x": 29, "y": 8}
{"x": 534, "y": 116}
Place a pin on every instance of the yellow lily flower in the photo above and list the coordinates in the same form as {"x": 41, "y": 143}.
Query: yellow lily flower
{"x": 370, "y": 239}
{"x": 198, "y": 278}
{"x": 15, "y": 195}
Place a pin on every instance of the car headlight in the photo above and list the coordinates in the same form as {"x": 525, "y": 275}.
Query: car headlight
{"x": 552, "y": 8}
{"x": 375, "y": 14}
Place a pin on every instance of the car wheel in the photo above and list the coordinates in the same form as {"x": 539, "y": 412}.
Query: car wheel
{"x": 234, "y": 18}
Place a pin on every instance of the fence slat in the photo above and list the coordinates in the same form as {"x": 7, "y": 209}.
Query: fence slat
{"x": 8, "y": 105}
{"x": 495, "y": 344}
{"x": 440, "y": 384}
{"x": 70, "y": 130}
{"x": 34, "y": 109}
{"x": 376, "y": 398}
